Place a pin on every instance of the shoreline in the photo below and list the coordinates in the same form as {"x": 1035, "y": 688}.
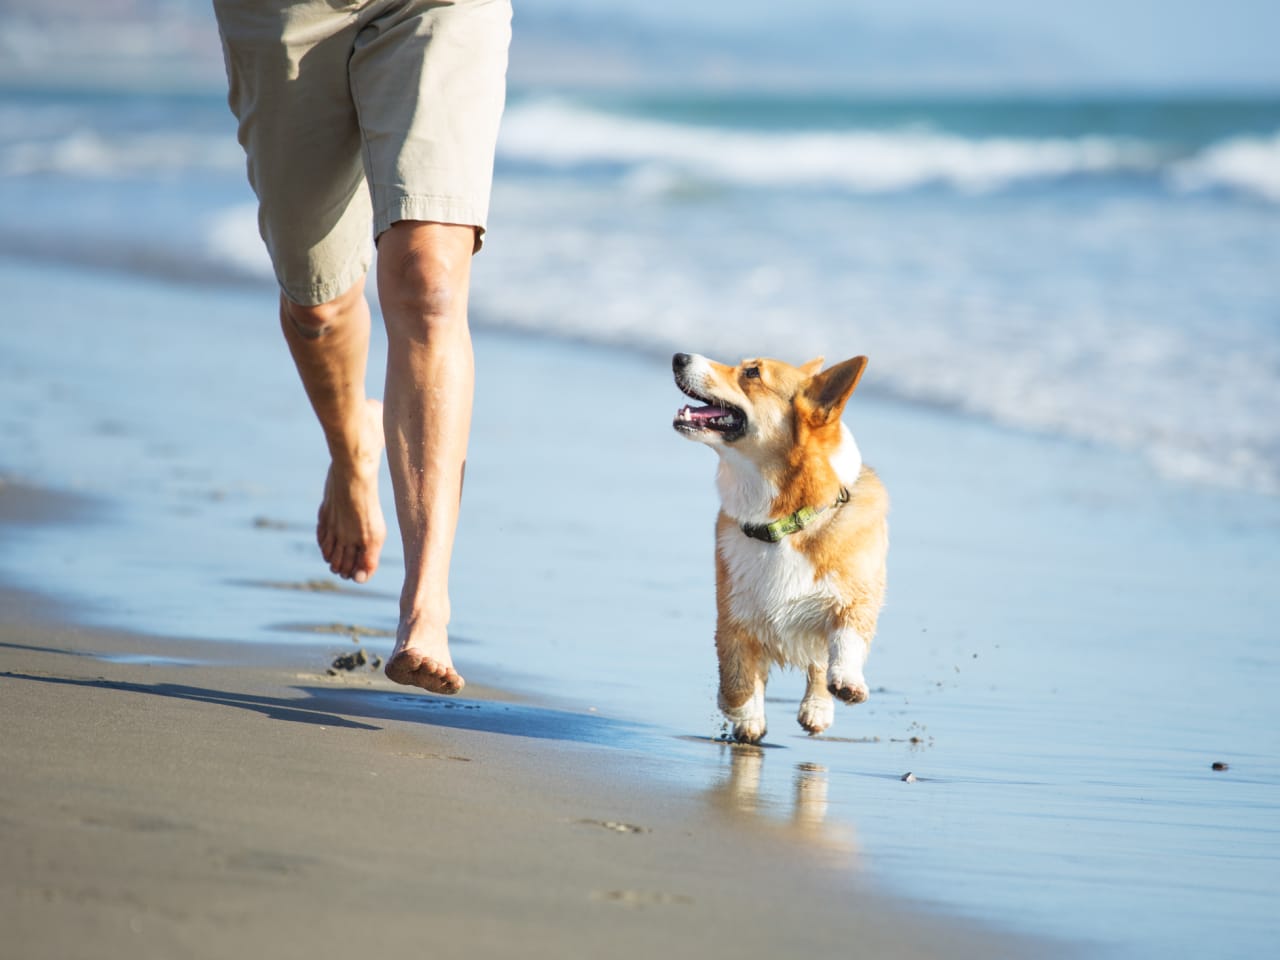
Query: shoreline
{"x": 194, "y": 798}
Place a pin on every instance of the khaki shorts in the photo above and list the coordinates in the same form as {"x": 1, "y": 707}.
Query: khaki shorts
{"x": 355, "y": 115}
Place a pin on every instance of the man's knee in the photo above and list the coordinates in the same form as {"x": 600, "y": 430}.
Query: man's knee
{"x": 426, "y": 287}
{"x": 424, "y": 276}
{"x": 313, "y": 321}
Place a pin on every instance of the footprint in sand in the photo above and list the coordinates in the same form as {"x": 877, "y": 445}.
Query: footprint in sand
{"x": 434, "y": 756}
{"x": 615, "y": 825}
{"x": 638, "y": 899}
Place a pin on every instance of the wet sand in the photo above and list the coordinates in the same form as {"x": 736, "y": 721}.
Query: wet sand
{"x": 198, "y": 799}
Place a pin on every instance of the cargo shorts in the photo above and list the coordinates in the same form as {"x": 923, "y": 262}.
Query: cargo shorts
{"x": 355, "y": 114}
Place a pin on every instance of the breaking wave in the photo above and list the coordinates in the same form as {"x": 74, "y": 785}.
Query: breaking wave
{"x": 558, "y": 135}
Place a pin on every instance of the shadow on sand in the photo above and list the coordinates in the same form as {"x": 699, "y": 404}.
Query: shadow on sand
{"x": 351, "y": 709}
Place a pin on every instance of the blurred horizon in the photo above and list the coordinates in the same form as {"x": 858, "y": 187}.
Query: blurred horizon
{"x": 868, "y": 47}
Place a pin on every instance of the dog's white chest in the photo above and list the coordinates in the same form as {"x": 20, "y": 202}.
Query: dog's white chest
{"x": 772, "y": 587}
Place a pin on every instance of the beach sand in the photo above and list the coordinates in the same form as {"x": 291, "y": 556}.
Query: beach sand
{"x": 190, "y": 799}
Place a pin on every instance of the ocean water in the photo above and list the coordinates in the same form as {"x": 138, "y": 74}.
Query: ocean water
{"x": 1073, "y": 317}
{"x": 1098, "y": 269}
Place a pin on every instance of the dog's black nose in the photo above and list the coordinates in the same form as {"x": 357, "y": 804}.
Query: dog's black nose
{"x": 679, "y": 362}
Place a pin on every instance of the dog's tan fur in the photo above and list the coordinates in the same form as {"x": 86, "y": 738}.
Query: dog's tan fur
{"x": 813, "y": 599}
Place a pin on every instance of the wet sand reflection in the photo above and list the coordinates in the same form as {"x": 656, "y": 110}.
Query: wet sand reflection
{"x": 744, "y": 788}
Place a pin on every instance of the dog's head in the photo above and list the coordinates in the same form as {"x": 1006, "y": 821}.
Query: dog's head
{"x": 762, "y": 408}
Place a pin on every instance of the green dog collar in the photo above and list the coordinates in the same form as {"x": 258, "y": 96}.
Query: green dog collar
{"x": 777, "y": 530}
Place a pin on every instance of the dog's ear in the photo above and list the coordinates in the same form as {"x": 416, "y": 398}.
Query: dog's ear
{"x": 813, "y": 366}
{"x": 826, "y": 393}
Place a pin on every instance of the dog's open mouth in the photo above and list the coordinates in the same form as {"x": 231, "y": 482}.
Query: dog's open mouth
{"x": 714, "y": 416}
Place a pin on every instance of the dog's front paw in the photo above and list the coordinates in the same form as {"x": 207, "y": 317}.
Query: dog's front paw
{"x": 750, "y": 731}
{"x": 748, "y": 720}
{"x": 816, "y": 713}
{"x": 748, "y": 717}
{"x": 847, "y": 684}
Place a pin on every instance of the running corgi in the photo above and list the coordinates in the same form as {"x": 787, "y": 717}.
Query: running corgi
{"x": 802, "y": 535}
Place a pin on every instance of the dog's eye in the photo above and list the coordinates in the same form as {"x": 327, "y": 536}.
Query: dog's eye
{"x": 751, "y": 373}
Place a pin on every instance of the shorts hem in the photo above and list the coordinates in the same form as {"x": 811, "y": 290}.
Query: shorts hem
{"x": 314, "y": 294}
{"x": 431, "y": 209}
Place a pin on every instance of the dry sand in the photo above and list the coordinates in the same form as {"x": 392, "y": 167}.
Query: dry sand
{"x": 240, "y": 802}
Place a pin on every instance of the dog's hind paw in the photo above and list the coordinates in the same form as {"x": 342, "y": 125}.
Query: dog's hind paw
{"x": 816, "y": 713}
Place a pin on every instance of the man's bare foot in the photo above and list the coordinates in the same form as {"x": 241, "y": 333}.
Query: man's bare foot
{"x": 421, "y": 662}
{"x": 350, "y": 528}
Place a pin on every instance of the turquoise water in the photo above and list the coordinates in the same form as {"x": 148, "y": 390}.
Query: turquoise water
{"x": 1186, "y": 122}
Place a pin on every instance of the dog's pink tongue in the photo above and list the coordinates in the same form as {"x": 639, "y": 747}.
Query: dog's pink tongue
{"x": 705, "y": 413}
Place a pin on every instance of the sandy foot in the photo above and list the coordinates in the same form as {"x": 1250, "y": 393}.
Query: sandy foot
{"x": 417, "y": 662}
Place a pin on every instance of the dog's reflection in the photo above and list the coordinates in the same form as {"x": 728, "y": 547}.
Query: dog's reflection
{"x": 741, "y": 790}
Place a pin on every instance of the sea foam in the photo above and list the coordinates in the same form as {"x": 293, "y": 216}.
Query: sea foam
{"x": 1247, "y": 164}
{"x": 560, "y": 135}
{"x": 90, "y": 153}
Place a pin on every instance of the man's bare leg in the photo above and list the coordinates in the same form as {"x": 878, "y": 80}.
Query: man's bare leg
{"x": 424, "y": 272}
{"x": 330, "y": 347}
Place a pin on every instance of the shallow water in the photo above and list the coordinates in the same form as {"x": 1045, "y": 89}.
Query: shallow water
{"x": 1070, "y": 641}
